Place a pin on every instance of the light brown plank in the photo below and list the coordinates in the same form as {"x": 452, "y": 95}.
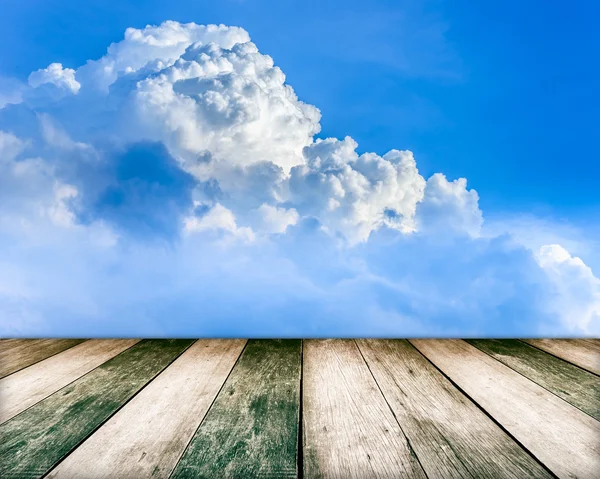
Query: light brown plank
{"x": 559, "y": 435}
{"x": 34, "y": 383}
{"x": 147, "y": 437}
{"x": 30, "y": 351}
{"x": 575, "y": 385}
{"x": 581, "y": 352}
{"x": 451, "y": 436}
{"x": 349, "y": 430}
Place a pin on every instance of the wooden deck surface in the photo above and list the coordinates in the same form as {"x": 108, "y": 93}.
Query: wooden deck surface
{"x": 333, "y": 408}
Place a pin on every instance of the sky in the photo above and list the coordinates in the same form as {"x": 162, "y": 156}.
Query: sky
{"x": 402, "y": 168}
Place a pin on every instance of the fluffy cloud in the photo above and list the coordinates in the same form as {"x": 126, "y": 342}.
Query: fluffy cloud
{"x": 176, "y": 186}
{"x": 577, "y": 291}
{"x": 55, "y": 74}
{"x": 353, "y": 195}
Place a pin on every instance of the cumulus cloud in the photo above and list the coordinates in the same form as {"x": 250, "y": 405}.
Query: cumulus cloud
{"x": 577, "y": 291}
{"x": 177, "y": 186}
{"x": 55, "y": 74}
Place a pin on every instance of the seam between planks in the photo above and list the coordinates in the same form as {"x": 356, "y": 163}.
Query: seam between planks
{"x": 487, "y": 413}
{"x": 118, "y": 409}
{"x": 552, "y": 354}
{"x": 300, "y": 458}
{"x": 187, "y": 446}
{"x": 535, "y": 382}
{"x": 412, "y": 450}
{"x": 68, "y": 384}
{"x": 40, "y": 360}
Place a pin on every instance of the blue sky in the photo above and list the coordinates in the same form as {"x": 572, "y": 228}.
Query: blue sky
{"x": 503, "y": 94}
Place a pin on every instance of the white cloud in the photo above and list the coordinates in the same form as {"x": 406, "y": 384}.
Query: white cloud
{"x": 10, "y": 147}
{"x": 155, "y": 48}
{"x": 11, "y": 91}
{"x": 55, "y": 74}
{"x": 230, "y": 103}
{"x": 577, "y": 291}
{"x": 180, "y": 172}
{"x": 218, "y": 219}
{"x": 273, "y": 219}
{"x": 449, "y": 207}
{"x": 353, "y": 195}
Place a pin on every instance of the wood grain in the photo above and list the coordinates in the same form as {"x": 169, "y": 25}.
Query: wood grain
{"x": 252, "y": 428}
{"x": 559, "y": 435}
{"x": 6, "y": 344}
{"x": 349, "y": 429}
{"x": 581, "y": 352}
{"x": 569, "y": 382}
{"x": 172, "y": 406}
{"x": 451, "y": 436}
{"x": 25, "y": 352}
{"x": 32, "y": 442}
{"x": 30, "y": 385}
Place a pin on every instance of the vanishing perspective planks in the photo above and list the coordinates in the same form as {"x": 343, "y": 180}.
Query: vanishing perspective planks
{"x": 349, "y": 429}
{"x": 252, "y": 428}
{"x": 327, "y": 408}
{"x": 172, "y": 406}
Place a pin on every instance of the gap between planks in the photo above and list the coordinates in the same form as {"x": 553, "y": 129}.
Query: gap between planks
{"x": 559, "y": 435}
{"x": 148, "y": 435}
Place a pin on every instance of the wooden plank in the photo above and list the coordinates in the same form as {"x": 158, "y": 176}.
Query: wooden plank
{"x": 581, "y": 352}
{"x": 451, "y": 436}
{"x": 6, "y": 344}
{"x": 30, "y": 385}
{"x": 569, "y": 382}
{"x": 349, "y": 429}
{"x": 563, "y": 438}
{"x": 32, "y": 442}
{"x": 148, "y": 436}
{"x": 30, "y": 351}
{"x": 252, "y": 428}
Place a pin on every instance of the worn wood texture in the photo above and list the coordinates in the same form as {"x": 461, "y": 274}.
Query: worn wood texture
{"x": 32, "y": 442}
{"x": 148, "y": 436}
{"x": 6, "y": 344}
{"x": 252, "y": 428}
{"x": 451, "y": 436}
{"x": 349, "y": 430}
{"x": 563, "y": 438}
{"x": 585, "y": 353}
{"x": 34, "y": 383}
{"x": 25, "y": 352}
{"x": 571, "y": 383}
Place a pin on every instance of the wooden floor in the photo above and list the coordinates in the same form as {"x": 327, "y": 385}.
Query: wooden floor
{"x": 337, "y": 408}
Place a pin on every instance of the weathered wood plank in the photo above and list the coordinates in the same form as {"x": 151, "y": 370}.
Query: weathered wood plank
{"x": 148, "y": 436}
{"x": 32, "y": 442}
{"x": 252, "y": 428}
{"x": 451, "y": 436}
{"x": 6, "y": 344}
{"x": 563, "y": 438}
{"x": 569, "y": 382}
{"x": 38, "y": 381}
{"x": 349, "y": 429}
{"x": 581, "y": 352}
{"x": 30, "y": 351}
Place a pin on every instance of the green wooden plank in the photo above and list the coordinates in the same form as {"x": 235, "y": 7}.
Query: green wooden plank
{"x": 19, "y": 354}
{"x": 252, "y": 428}
{"x": 569, "y": 382}
{"x": 32, "y": 442}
